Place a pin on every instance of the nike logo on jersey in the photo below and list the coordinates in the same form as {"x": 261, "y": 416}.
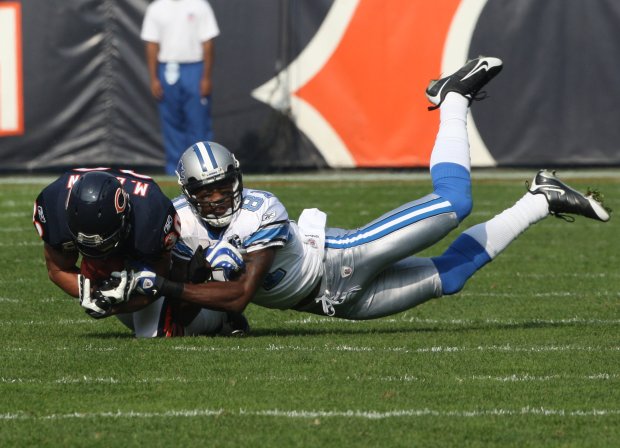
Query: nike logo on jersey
{"x": 482, "y": 65}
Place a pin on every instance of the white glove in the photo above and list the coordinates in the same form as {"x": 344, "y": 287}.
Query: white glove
{"x": 225, "y": 260}
{"x": 117, "y": 289}
{"x": 92, "y": 307}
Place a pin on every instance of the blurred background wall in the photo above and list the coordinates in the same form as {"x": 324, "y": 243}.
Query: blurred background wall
{"x": 307, "y": 84}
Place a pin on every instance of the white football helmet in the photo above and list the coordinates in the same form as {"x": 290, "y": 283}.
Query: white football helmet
{"x": 203, "y": 165}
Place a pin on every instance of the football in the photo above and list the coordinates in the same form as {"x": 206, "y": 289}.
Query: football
{"x": 99, "y": 269}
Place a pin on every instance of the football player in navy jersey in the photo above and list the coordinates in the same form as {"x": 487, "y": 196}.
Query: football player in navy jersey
{"x": 116, "y": 220}
{"x": 264, "y": 257}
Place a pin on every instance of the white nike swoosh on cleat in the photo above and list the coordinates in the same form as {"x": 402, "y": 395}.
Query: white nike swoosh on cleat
{"x": 557, "y": 189}
{"x": 482, "y": 65}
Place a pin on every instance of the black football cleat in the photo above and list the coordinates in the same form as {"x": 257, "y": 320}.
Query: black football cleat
{"x": 467, "y": 81}
{"x": 563, "y": 199}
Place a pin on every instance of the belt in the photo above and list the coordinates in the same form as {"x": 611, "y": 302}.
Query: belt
{"x": 309, "y": 299}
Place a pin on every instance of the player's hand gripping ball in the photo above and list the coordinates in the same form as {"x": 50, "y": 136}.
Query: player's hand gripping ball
{"x": 225, "y": 260}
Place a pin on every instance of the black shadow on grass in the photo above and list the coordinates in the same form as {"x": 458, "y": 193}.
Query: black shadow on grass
{"x": 339, "y": 331}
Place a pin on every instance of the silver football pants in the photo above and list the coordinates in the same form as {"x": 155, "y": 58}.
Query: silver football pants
{"x": 371, "y": 272}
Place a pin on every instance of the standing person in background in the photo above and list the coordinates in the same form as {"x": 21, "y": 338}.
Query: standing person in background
{"x": 179, "y": 52}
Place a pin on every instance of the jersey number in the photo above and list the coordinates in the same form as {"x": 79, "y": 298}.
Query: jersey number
{"x": 273, "y": 278}
{"x": 253, "y": 203}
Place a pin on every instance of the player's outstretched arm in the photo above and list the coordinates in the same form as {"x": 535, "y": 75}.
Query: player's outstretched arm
{"x": 233, "y": 295}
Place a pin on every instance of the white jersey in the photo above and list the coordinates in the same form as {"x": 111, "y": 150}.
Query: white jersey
{"x": 261, "y": 222}
{"x": 179, "y": 27}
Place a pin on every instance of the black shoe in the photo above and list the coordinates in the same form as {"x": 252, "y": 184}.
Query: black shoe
{"x": 467, "y": 81}
{"x": 563, "y": 199}
{"x": 236, "y": 325}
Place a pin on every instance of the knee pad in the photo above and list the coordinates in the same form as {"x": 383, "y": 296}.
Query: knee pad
{"x": 453, "y": 182}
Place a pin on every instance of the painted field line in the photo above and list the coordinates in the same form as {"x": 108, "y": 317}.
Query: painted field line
{"x": 516, "y": 378}
{"x": 17, "y": 214}
{"x": 23, "y": 228}
{"x": 520, "y": 274}
{"x": 526, "y": 378}
{"x": 541, "y": 294}
{"x": 458, "y": 322}
{"x": 23, "y": 244}
{"x": 324, "y": 320}
{"x": 507, "y": 348}
{"x": 68, "y": 322}
{"x": 313, "y": 414}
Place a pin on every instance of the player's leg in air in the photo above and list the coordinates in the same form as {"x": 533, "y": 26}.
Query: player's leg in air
{"x": 421, "y": 223}
{"x": 414, "y": 280}
{"x": 411, "y": 281}
{"x": 483, "y": 242}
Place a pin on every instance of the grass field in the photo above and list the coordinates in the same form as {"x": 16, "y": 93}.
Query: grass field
{"x": 528, "y": 354}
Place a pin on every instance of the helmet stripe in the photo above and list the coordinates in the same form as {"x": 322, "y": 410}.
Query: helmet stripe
{"x": 203, "y": 152}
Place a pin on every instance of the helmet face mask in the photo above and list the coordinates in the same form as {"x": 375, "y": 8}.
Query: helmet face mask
{"x": 94, "y": 246}
{"x": 211, "y": 180}
{"x": 97, "y": 211}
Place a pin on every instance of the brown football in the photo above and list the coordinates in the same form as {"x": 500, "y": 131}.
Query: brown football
{"x": 99, "y": 269}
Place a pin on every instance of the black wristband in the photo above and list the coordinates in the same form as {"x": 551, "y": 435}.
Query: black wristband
{"x": 169, "y": 289}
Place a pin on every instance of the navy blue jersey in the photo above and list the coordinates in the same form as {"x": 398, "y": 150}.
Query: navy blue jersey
{"x": 153, "y": 219}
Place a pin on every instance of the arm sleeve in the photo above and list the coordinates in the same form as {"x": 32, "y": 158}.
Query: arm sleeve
{"x": 273, "y": 230}
{"x": 150, "y": 30}
{"x": 208, "y": 24}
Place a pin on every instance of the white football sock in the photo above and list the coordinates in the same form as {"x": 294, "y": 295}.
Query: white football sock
{"x": 497, "y": 233}
{"x": 451, "y": 143}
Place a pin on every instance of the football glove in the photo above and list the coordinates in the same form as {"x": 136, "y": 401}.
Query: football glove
{"x": 198, "y": 271}
{"x": 146, "y": 283}
{"x": 225, "y": 259}
{"x": 94, "y": 307}
{"x": 117, "y": 289}
{"x": 149, "y": 284}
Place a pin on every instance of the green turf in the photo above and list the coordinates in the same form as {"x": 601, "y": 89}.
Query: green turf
{"x": 528, "y": 354}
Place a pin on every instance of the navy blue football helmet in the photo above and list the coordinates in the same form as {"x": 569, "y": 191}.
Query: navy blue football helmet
{"x": 98, "y": 214}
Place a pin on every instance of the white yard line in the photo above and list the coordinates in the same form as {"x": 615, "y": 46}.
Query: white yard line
{"x": 506, "y": 348}
{"x": 311, "y": 320}
{"x": 314, "y": 414}
{"x": 514, "y": 378}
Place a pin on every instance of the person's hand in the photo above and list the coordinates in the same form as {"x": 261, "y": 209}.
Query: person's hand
{"x": 94, "y": 308}
{"x": 225, "y": 260}
{"x": 115, "y": 290}
{"x": 146, "y": 282}
{"x": 205, "y": 87}
{"x": 156, "y": 89}
{"x": 122, "y": 284}
{"x": 198, "y": 270}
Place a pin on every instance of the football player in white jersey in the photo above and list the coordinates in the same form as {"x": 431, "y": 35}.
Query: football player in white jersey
{"x": 262, "y": 256}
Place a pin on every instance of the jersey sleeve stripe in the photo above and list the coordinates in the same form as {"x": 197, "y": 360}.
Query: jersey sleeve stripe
{"x": 267, "y": 234}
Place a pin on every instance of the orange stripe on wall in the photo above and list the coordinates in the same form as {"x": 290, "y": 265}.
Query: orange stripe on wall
{"x": 19, "y": 73}
{"x": 371, "y": 91}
